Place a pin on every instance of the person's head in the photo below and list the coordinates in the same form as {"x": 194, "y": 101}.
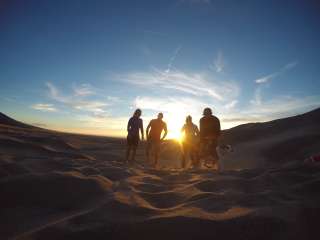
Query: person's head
{"x": 188, "y": 119}
{"x": 137, "y": 112}
{"x": 160, "y": 116}
{"x": 207, "y": 112}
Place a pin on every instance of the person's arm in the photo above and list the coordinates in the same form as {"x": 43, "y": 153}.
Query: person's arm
{"x": 141, "y": 129}
{"x": 129, "y": 125}
{"x": 197, "y": 131}
{"x": 165, "y": 131}
{"x": 147, "y": 130}
{"x": 182, "y": 129}
{"x": 219, "y": 127}
{"x": 200, "y": 129}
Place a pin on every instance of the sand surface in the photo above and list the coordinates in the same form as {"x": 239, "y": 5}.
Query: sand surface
{"x": 63, "y": 186}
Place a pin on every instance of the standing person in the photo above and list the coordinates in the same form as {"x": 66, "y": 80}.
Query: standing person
{"x": 154, "y": 130}
{"x": 209, "y": 134}
{"x": 190, "y": 142}
{"x": 134, "y": 125}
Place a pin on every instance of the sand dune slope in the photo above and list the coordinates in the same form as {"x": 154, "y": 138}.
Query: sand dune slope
{"x": 63, "y": 186}
{"x": 273, "y": 143}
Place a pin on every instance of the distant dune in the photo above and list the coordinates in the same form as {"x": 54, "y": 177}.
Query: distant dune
{"x": 5, "y": 120}
{"x": 274, "y": 142}
{"x": 67, "y": 186}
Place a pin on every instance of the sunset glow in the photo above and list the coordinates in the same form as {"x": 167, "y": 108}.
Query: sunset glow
{"x": 86, "y": 69}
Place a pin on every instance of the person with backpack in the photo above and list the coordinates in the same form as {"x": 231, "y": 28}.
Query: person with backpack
{"x": 210, "y": 131}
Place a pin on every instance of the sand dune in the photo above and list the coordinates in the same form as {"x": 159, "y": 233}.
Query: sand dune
{"x": 64, "y": 186}
{"x": 275, "y": 142}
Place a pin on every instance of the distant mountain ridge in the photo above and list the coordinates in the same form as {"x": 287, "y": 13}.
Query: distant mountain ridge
{"x": 5, "y": 120}
{"x": 310, "y": 120}
{"x": 278, "y": 141}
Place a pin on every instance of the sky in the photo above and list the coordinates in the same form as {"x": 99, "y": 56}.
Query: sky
{"x": 85, "y": 66}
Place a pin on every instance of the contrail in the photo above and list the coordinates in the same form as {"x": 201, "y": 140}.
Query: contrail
{"x": 175, "y": 54}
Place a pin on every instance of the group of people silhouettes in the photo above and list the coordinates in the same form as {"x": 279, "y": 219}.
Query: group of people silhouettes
{"x": 197, "y": 144}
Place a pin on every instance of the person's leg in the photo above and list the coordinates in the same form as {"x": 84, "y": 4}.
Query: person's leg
{"x": 128, "y": 153}
{"x": 183, "y": 158}
{"x": 148, "y": 150}
{"x": 156, "y": 153}
{"x": 128, "y": 150}
{"x": 133, "y": 155}
{"x": 202, "y": 153}
{"x": 214, "y": 154}
{"x": 195, "y": 152}
{"x": 134, "y": 148}
{"x": 196, "y": 159}
{"x": 193, "y": 157}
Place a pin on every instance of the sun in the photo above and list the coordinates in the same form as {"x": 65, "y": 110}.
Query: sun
{"x": 174, "y": 129}
{"x": 178, "y": 136}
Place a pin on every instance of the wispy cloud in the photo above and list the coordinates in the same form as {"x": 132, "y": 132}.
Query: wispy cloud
{"x": 77, "y": 99}
{"x": 273, "y": 108}
{"x": 114, "y": 99}
{"x": 231, "y": 104}
{"x": 170, "y": 104}
{"x": 83, "y": 90}
{"x": 218, "y": 63}
{"x": 171, "y": 61}
{"x": 290, "y": 65}
{"x": 268, "y": 77}
{"x": 44, "y": 107}
{"x": 257, "y": 98}
{"x": 42, "y": 125}
{"x": 283, "y": 106}
{"x": 197, "y": 84}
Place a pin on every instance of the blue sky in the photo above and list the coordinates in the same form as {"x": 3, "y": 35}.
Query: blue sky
{"x": 84, "y": 66}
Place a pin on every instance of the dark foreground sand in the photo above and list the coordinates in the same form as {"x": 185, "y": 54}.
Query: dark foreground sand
{"x": 62, "y": 186}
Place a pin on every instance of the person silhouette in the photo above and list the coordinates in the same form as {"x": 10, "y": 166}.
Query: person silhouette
{"x": 190, "y": 143}
{"x": 210, "y": 130}
{"x": 153, "y": 133}
{"x": 135, "y": 124}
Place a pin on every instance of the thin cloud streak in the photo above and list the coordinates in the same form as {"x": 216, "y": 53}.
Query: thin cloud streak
{"x": 196, "y": 84}
{"x": 170, "y": 105}
{"x": 285, "y": 68}
{"x": 218, "y": 63}
{"x": 83, "y": 90}
{"x": 231, "y": 104}
{"x": 44, "y": 107}
{"x": 175, "y": 54}
{"x": 76, "y": 101}
{"x": 279, "y": 107}
{"x": 257, "y": 99}
{"x": 267, "y": 78}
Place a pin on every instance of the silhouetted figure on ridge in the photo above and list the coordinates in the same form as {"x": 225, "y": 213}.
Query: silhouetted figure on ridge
{"x": 190, "y": 143}
{"x": 153, "y": 133}
{"x": 134, "y": 125}
{"x": 209, "y": 135}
